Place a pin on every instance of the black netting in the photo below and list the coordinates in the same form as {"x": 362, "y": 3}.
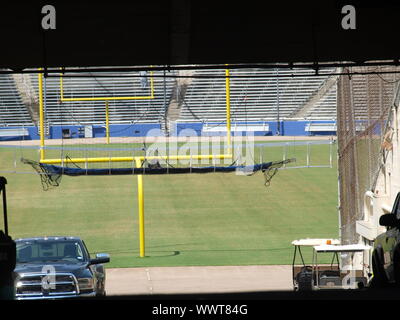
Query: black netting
{"x": 272, "y": 170}
{"x": 365, "y": 131}
{"x": 48, "y": 177}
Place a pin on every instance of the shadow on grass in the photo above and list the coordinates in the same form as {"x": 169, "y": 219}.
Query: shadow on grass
{"x": 172, "y": 253}
{"x": 127, "y": 250}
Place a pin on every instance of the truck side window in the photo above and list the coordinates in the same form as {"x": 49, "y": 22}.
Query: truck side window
{"x": 85, "y": 249}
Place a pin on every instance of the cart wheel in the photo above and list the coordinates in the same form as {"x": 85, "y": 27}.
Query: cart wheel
{"x": 304, "y": 279}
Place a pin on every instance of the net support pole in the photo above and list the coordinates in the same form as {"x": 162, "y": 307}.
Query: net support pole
{"x": 141, "y": 211}
{"x": 228, "y": 109}
{"x": 41, "y": 115}
{"x": 3, "y": 182}
{"x": 107, "y": 124}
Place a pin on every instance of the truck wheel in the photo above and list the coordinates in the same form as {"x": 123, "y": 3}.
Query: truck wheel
{"x": 379, "y": 279}
{"x": 396, "y": 265}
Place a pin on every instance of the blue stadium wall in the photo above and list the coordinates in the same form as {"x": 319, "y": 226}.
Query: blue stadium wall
{"x": 287, "y": 128}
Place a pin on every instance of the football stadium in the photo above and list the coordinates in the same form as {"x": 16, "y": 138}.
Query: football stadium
{"x": 192, "y": 218}
{"x": 184, "y": 162}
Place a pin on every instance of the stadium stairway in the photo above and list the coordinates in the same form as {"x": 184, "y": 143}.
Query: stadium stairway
{"x": 12, "y": 109}
{"x": 28, "y": 95}
{"x": 177, "y": 100}
{"x": 315, "y": 98}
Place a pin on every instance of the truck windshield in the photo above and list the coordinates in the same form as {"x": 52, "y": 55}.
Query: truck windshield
{"x": 47, "y": 250}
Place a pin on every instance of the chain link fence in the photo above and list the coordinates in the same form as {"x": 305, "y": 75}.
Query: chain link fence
{"x": 363, "y": 122}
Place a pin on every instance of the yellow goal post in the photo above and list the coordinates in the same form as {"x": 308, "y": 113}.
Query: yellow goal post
{"x": 138, "y": 160}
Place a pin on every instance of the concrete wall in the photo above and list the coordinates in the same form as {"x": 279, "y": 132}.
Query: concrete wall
{"x": 135, "y": 130}
{"x": 287, "y": 128}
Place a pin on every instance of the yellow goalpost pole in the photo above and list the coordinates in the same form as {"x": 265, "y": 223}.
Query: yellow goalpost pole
{"x": 151, "y": 85}
{"x": 138, "y": 163}
{"x": 228, "y": 109}
{"x": 141, "y": 210}
{"x": 107, "y": 124}
{"x": 41, "y": 115}
{"x": 106, "y": 99}
{"x": 140, "y": 158}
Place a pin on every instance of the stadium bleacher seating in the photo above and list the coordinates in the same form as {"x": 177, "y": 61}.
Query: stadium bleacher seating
{"x": 258, "y": 98}
{"x": 325, "y": 109}
{"x": 93, "y": 112}
{"x": 257, "y": 95}
{"x": 13, "y": 112}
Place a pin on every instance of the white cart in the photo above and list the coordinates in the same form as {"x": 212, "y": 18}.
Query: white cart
{"x": 340, "y": 277}
{"x": 302, "y": 273}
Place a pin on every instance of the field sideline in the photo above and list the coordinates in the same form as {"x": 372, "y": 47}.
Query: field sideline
{"x": 191, "y": 220}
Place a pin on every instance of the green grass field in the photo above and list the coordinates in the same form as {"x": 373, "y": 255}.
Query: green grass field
{"x": 210, "y": 219}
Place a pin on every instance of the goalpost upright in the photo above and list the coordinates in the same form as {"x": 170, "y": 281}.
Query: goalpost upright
{"x": 228, "y": 108}
{"x": 41, "y": 116}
